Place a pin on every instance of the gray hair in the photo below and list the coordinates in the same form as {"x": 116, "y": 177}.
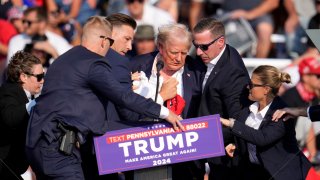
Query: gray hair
{"x": 173, "y": 31}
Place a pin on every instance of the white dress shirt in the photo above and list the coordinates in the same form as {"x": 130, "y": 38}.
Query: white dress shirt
{"x": 254, "y": 120}
{"x": 210, "y": 67}
{"x": 147, "y": 87}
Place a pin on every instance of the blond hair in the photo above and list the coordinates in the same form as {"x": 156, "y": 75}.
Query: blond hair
{"x": 272, "y": 77}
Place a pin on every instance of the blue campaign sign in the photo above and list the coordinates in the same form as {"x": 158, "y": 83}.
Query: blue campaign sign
{"x": 159, "y": 144}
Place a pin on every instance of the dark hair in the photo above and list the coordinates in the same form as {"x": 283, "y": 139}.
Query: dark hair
{"x": 119, "y": 19}
{"x": 21, "y": 62}
{"x": 216, "y": 27}
{"x": 272, "y": 77}
{"x": 41, "y": 13}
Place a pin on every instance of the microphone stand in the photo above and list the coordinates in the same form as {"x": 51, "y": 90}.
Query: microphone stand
{"x": 159, "y": 66}
{"x": 157, "y": 86}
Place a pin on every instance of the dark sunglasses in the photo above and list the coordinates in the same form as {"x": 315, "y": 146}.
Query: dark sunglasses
{"x": 55, "y": 13}
{"x": 132, "y": 1}
{"x": 205, "y": 47}
{"x": 38, "y": 76}
{"x": 28, "y": 22}
{"x": 251, "y": 85}
{"x": 110, "y": 39}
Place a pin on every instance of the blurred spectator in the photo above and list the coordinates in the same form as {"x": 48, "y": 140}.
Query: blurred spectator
{"x": 15, "y": 15}
{"x": 33, "y": 3}
{"x": 35, "y": 24}
{"x": 196, "y": 8}
{"x": 144, "y": 40}
{"x": 295, "y": 34}
{"x": 257, "y": 13}
{"x": 305, "y": 10}
{"x": 144, "y": 13}
{"x": 79, "y": 10}
{"x": 311, "y": 50}
{"x": 70, "y": 30}
{"x": 171, "y": 6}
{"x": 7, "y": 31}
{"x": 6, "y": 5}
{"x": 304, "y": 95}
{"x": 315, "y": 20}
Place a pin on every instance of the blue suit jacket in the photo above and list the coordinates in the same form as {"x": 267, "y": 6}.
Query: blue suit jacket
{"x": 191, "y": 79}
{"x": 76, "y": 89}
{"x": 276, "y": 144}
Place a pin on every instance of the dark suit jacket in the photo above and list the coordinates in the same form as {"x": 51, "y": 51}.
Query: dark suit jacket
{"x": 225, "y": 93}
{"x": 276, "y": 144}
{"x": 13, "y": 125}
{"x": 120, "y": 69}
{"x": 191, "y": 79}
{"x": 76, "y": 88}
{"x": 314, "y": 113}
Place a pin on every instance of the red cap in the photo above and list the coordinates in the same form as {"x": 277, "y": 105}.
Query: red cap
{"x": 309, "y": 65}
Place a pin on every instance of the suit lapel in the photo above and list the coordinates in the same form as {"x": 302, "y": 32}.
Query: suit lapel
{"x": 220, "y": 64}
{"x": 148, "y": 67}
{"x": 187, "y": 89}
{"x": 276, "y": 104}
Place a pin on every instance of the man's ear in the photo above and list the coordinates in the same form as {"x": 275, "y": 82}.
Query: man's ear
{"x": 221, "y": 41}
{"x": 23, "y": 77}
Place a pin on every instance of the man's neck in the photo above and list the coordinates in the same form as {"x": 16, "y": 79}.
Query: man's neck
{"x": 167, "y": 73}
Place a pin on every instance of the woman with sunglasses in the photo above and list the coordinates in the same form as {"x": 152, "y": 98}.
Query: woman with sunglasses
{"x": 25, "y": 78}
{"x": 271, "y": 147}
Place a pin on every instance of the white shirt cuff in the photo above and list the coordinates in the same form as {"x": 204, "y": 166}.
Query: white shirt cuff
{"x": 164, "y": 112}
{"x": 159, "y": 99}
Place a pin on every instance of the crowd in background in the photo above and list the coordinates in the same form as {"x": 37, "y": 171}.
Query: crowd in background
{"x": 49, "y": 28}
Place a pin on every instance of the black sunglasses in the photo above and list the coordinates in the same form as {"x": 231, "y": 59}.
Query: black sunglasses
{"x": 251, "y": 85}
{"x": 205, "y": 47}
{"x": 110, "y": 39}
{"x": 38, "y": 76}
{"x": 55, "y": 13}
{"x": 28, "y": 22}
{"x": 132, "y": 1}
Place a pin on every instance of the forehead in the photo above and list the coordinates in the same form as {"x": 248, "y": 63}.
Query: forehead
{"x": 204, "y": 36}
{"x": 176, "y": 46}
{"x": 124, "y": 29}
{"x": 31, "y": 15}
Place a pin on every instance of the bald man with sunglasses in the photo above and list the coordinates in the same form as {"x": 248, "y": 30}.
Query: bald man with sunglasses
{"x": 224, "y": 89}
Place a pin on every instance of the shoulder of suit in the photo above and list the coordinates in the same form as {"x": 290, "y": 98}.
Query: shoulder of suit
{"x": 11, "y": 88}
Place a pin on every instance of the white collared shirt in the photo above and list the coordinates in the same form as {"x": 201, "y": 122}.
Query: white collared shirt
{"x": 147, "y": 88}
{"x": 254, "y": 120}
{"x": 210, "y": 67}
{"x": 153, "y": 82}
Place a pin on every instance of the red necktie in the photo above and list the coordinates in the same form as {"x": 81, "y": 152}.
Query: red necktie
{"x": 176, "y": 104}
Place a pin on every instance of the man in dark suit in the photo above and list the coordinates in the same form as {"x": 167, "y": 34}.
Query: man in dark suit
{"x": 224, "y": 85}
{"x": 180, "y": 80}
{"x": 78, "y": 84}
{"x": 122, "y": 32}
{"x": 25, "y": 78}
